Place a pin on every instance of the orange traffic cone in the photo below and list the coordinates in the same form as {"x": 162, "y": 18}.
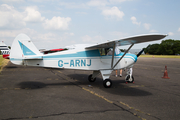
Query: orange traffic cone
{"x": 165, "y": 73}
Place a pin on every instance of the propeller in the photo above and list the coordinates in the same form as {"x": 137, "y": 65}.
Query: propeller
{"x": 140, "y": 52}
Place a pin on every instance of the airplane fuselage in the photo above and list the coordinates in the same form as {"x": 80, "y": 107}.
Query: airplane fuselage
{"x": 79, "y": 59}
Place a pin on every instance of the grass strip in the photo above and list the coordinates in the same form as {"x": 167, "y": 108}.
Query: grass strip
{"x": 3, "y": 62}
{"x": 161, "y": 56}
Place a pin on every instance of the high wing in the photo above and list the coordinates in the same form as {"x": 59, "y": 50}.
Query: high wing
{"x": 129, "y": 41}
{"x": 126, "y": 41}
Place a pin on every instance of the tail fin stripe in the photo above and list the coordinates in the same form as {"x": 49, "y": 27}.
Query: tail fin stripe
{"x": 26, "y": 50}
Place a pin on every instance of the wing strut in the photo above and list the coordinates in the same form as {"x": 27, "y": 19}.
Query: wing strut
{"x": 121, "y": 57}
{"x": 113, "y": 54}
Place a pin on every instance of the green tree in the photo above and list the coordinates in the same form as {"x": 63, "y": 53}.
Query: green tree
{"x": 176, "y": 47}
{"x": 152, "y": 49}
{"x": 166, "y": 47}
{"x": 146, "y": 50}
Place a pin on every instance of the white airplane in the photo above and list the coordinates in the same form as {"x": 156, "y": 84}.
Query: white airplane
{"x": 95, "y": 57}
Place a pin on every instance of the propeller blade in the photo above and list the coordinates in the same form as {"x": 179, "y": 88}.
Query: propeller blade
{"x": 140, "y": 52}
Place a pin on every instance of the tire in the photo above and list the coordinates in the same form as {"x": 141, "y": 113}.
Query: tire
{"x": 107, "y": 83}
{"x": 127, "y": 79}
{"x": 91, "y": 79}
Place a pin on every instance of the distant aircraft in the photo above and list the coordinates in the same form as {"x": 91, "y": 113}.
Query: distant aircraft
{"x": 4, "y": 50}
{"x": 100, "y": 58}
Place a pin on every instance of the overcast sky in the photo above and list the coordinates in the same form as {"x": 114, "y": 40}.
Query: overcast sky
{"x": 58, "y": 23}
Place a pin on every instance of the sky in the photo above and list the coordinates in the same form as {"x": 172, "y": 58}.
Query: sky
{"x": 59, "y": 23}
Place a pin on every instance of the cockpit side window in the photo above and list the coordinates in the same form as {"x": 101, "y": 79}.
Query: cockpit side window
{"x": 104, "y": 51}
{"x": 109, "y": 51}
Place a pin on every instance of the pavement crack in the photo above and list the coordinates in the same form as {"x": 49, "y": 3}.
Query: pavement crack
{"x": 64, "y": 113}
{"x": 130, "y": 110}
{"x": 127, "y": 110}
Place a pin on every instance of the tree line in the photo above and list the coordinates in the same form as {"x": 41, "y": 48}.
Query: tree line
{"x": 166, "y": 47}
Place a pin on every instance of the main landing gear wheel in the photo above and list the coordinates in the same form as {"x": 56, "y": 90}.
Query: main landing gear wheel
{"x": 91, "y": 79}
{"x": 129, "y": 79}
{"x": 107, "y": 83}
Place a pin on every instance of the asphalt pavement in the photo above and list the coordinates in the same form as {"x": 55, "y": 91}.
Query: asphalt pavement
{"x": 45, "y": 93}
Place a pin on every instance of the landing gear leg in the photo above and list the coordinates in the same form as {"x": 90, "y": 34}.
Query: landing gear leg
{"x": 129, "y": 77}
{"x": 92, "y": 77}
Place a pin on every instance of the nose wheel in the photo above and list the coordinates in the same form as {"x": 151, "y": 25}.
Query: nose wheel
{"x": 129, "y": 79}
{"x": 107, "y": 83}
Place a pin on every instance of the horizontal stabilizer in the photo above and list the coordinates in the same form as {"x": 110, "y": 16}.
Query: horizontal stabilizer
{"x": 33, "y": 57}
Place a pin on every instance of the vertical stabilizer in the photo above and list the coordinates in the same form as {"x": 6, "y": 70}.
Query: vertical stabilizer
{"x": 21, "y": 48}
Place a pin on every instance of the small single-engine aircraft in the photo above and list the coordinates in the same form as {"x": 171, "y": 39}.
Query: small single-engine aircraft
{"x": 4, "y": 50}
{"x": 100, "y": 58}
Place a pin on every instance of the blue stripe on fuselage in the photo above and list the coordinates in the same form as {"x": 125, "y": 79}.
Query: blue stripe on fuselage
{"x": 128, "y": 55}
{"x": 89, "y": 53}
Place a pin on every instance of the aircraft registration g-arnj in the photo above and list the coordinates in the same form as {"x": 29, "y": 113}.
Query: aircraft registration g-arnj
{"x": 100, "y": 58}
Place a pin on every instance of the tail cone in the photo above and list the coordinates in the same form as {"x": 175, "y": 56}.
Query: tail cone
{"x": 165, "y": 73}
